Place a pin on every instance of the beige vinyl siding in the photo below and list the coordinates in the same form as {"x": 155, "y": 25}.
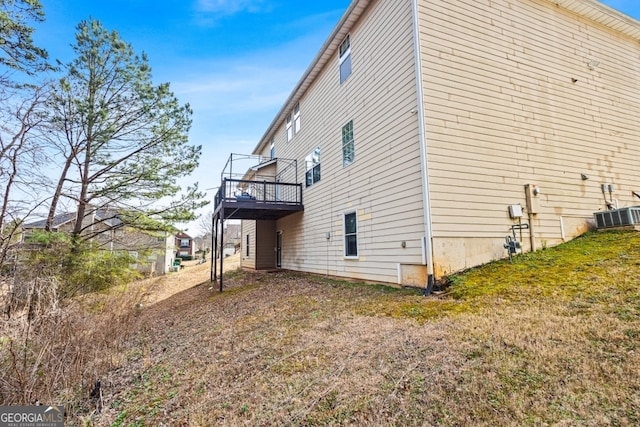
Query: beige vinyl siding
{"x": 262, "y": 241}
{"x": 265, "y": 245}
{"x": 383, "y": 184}
{"x": 248, "y": 227}
{"x": 502, "y": 111}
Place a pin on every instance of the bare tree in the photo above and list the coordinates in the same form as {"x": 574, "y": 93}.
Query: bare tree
{"x": 22, "y": 121}
{"x": 205, "y": 224}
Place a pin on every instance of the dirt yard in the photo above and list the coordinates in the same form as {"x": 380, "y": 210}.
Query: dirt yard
{"x": 159, "y": 288}
{"x": 513, "y": 344}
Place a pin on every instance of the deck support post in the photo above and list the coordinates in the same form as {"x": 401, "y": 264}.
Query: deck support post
{"x": 214, "y": 248}
{"x": 221, "y": 246}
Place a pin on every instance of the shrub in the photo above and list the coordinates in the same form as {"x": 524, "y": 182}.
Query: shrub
{"x": 79, "y": 267}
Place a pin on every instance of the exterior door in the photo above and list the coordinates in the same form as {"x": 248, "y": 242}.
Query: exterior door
{"x": 278, "y": 249}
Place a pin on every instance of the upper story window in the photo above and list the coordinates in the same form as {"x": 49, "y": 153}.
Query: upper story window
{"x": 272, "y": 151}
{"x": 312, "y": 166}
{"x": 296, "y": 118}
{"x": 293, "y": 122}
{"x": 185, "y": 243}
{"x": 348, "y": 144}
{"x": 345, "y": 59}
{"x": 289, "y": 128}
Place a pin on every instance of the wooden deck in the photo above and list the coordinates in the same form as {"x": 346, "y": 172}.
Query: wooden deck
{"x": 242, "y": 199}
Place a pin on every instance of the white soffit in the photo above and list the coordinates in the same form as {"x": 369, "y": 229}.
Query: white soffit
{"x": 604, "y": 15}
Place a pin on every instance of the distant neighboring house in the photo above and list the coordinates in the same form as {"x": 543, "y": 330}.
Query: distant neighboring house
{"x": 185, "y": 245}
{"x": 104, "y": 227}
{"x": 202, "y": 243}
{"x": 233, "y": 238}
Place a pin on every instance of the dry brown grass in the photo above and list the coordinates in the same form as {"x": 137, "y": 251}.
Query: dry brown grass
{"x": 551, "y": 339}
{"x": 291, "y": 349}
{"x": 53, "y": 350}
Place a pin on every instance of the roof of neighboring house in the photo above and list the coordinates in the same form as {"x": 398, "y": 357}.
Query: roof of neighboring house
{"x": 58, "y": 220}
{"x": 183, "y": 235}
{"x": 107, "y": 216}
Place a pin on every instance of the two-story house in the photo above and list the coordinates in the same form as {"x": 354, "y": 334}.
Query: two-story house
{"x": 103, "y": 227}
{"x": 425, "y": 132}
{"x": 185, "y": 245}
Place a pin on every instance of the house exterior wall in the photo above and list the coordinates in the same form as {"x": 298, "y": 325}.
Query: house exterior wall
{"x": 262, "y": 238}
{"x": 265, "y": 245}
{"x": 515, "y": 95}
{"x": 248, "y": 260}
{"x": 511, "y": 98}
{"x": 382, "y": 185}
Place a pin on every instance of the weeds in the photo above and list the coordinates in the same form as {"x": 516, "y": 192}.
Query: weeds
{"x": 54, "y": 350}
{"x": 550, "y": 339}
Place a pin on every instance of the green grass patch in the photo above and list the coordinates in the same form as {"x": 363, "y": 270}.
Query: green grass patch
{"x": 591, "y": 266}
{"x": 595, "y": 269}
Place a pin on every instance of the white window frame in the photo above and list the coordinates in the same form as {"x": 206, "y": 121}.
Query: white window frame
{"x": 312, "y": 167}
{"x": 348, "y": 145}
{"x": 289, "y": 128}
{"x": 346, "y": 235}
{"x": 296, "y": 118}
{"x": 272, "y": 150}
{"x": 345, "y": 55}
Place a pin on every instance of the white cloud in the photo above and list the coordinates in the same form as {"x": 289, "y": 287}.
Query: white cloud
{"x": 229, "y": 7}
{"x": 235, "y": 98}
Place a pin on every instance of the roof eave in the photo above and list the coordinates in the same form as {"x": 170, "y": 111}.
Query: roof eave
{"x": 591, "y": 9}
{"x": 328, "y": 49}
{"x": 603, "y": 14}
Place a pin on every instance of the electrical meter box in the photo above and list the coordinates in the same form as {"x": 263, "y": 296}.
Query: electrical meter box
{"x": 515, "y": 211}
{"x": 533, "y": 199}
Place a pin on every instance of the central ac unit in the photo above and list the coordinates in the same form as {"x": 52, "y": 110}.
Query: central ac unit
{"x": 618, "y": 217}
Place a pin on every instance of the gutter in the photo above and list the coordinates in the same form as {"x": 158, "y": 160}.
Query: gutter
{"x": 427, "y": 242}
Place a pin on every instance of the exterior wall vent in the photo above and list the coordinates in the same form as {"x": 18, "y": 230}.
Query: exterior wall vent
{"x": 618, "y": 217}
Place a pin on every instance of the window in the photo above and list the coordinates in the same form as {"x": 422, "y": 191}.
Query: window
{"x": 312, "y": 166}
{"x": 184, "y": 243}
{"x": 289, "y": 128}
{"x": 272, "y": 151}
{"x": 247, "y": 245}
{"x": 345, "y": 59}
{"x": 293, "y": 122}
{"x": 350, "y": 235}
{"x": 296, "y": 118}
{"x": 348, "y": 145}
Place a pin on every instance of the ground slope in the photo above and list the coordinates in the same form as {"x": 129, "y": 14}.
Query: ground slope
{"x": 550, "y": 339}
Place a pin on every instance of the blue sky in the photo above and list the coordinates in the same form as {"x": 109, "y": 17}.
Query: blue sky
{"x": 234, "y": 61}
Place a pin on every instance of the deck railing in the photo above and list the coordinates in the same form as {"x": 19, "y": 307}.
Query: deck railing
{"x": 239, "y": 190}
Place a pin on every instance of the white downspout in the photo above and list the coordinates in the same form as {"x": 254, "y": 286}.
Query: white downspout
{"x": 426, "y": 199}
